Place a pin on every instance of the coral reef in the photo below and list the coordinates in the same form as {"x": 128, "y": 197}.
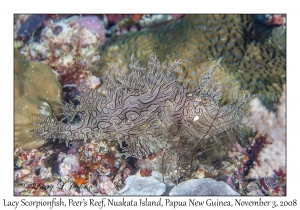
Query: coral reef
{"x": 47, "y": 173}
{"x": 229, "y": 168}
{"x": 101, "y": 161}
{"x": 31, "y": 172}
{"x": 147, "y": 111}
{"x": 205, "y": 186}
{"x": 37, "y": 93}
{"x": 251, "y": 65}
{"x": 278, "y": 37}
{"x": 70, "y": 47}
{"x": 167, "y": 129}
{"x": 69, "y": 164}
{"x": 272, "y": 156}
{"x": 100, "y": 156}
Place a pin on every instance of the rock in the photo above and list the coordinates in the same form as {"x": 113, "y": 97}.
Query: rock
{"x": 136, "y": 185}
{"x": 169, "y": 187}
{"x": 205, "y": 186}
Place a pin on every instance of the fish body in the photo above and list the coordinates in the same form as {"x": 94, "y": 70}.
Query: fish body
{"x": 148, "y": 110}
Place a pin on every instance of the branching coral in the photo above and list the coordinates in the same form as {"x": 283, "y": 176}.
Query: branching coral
{"x": 272, "y": 156}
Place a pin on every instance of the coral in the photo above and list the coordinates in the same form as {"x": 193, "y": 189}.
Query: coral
{"x": 101, "y": 156}
{"x": 272, "y": 157}
{"x": 278, "y": 37}
{"x": 102, "y": 164}
{"x": 68, "y": 165}
{"x": 270, "y": 182}
{"x": 257, "y": 67}
{"x": 275, "y": 19}
{"x": 172, "y": 147}
{"x": 59, "y": 188}
{"x": 31, "y": 172}
{"x": 136, "y": 185}
{"x": 205, "y": 186}
{"x": 151, "y": 114}
{"x": 229, "y": 168}
{"x": 37, "y": 93}
{"x": 274, "y": 185}
{"x": 266, "y": 67}
{"x": 47, "y": 173}
{"x": 94, "y": 24}
{"x": 123, "y": 22}
{"x": 106, "y": 186}
{"x": 70, "y": 47}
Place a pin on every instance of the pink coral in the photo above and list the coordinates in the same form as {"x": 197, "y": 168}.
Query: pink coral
{"x": 94, "y": 24}
{"x": 272, "y": 156}
{"x": 69, "y": 165}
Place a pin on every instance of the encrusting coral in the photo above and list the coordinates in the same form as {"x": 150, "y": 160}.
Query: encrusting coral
{"x": 37, "y": 93}
{"x": 151, "y": 113}
{"x": 253, "y": 66}
{"x": 272, "y": 157}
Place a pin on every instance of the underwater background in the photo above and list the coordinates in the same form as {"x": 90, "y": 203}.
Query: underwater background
{"x": 58, "y": 56}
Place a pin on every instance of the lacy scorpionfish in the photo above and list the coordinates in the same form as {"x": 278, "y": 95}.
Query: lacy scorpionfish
{"x": 149, "y": 111}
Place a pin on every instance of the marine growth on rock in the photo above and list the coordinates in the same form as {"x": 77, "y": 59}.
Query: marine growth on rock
{"x": 148, "y": 112}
